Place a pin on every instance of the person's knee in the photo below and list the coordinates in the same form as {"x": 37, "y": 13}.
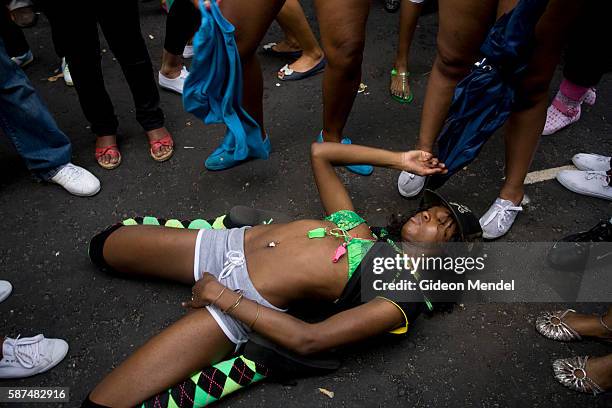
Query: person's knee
{"x": 345, "y": 54}
{"x": 453, "y": 64}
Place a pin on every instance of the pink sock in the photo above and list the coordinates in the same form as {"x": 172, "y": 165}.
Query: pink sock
{"x": 572, "y": 91}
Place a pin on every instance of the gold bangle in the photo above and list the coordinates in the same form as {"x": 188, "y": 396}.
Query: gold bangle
{"x": 256, "y": 317}
{"x": 235, "y": 305}
{"x": 218, "y": 297}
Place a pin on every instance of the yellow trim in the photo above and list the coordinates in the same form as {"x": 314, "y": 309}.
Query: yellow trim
{"x": 400, "y": 330}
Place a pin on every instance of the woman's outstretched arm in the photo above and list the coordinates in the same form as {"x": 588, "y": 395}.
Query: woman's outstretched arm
{"x": 324, "y": 156}
{"x": 373, "y": 318}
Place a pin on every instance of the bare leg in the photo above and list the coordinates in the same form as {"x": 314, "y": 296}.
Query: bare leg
{"x": 171, "y": 65}
{"x": 292, "y": 19}
{"x": 589, "y": 325}
{"x": 525, "y": 125}
{"x": 409, "y": 16}
{"x": 193, "y": 342}
{"x": 160, "y": 252}
{"x": 463, "y": 26}
{"x": 252, "y": 18}
{"x": 342, "y": 24}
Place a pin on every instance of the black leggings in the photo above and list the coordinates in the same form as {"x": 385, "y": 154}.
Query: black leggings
{"x": 182, "y": 23}
{"x": 586, "y": 60}
{"x": 120, "y": 23}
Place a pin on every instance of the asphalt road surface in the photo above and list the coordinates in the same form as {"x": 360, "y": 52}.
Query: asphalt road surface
{"x": 479, "y": 356}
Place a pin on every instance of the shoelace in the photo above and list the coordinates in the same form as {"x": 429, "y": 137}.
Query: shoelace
{"x": 234, "y": 259}
{"x": 503, "y": 212}
{"x": 27, "y": 351}
{"x": 605, "y": 179}
{"x": 70, "y": 172}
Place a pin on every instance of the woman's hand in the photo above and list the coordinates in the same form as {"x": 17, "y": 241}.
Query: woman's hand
{"x": 422, "y": 163}
{"x": 204, "y": 291}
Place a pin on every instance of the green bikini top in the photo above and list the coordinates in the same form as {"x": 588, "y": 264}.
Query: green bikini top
{"x": 356, "y": 248}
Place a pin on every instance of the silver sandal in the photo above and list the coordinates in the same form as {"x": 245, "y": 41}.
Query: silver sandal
{"x": 565, "y": 370}
{"x": 552, "y": 326}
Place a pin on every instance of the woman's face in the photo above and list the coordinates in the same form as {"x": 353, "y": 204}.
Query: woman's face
{"x": 435, "y": 224}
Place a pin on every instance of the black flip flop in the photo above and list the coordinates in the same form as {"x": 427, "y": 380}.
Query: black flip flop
{"x": 269, "y": 50}
{"x": 290, "y": 75}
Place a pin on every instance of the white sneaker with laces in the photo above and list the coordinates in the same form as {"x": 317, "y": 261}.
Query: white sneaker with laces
{"x": 66, "y": 72}
{"x": 5, "y": 289}
{"x": 591, "y": 162}
{"x": 28, "y": 356}
{"x": 174, "y": 84}
{"x": 188, "y": 51}
{"x": 409, "y": 184}
{"x": 591, "y": 183}
{"x": 498, "y": 220}
{"x": 76, "y": 180}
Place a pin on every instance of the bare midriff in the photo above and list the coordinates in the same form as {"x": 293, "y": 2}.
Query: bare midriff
{"x": 294, "y": 267}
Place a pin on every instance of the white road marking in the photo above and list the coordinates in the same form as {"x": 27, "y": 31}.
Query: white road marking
{"x": 548, "y": 174}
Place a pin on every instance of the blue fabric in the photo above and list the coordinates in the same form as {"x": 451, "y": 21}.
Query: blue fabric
{"x": 361, "y": 169}
{"x": 485, "y": 98}
{"x": 213, "y": 89}
{"x": 25, "y": 120}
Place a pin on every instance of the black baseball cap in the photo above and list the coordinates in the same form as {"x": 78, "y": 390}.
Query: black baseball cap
{"x": 469, "y": 226}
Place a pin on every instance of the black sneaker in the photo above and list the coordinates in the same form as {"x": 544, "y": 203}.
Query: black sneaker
{"x": 574, "y": 251}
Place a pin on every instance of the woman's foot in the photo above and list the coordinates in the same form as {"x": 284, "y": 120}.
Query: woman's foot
{"x": 569, "y": 326}
{"x": 108, "y": 155}
{"x": 305, "y": 66}
{"x": 162, "y": 145}
{"x": 400, "y": 87}
{"x": 585, "y": 374}
{"x": 565, "y": 108}
{"x": 499, "y": 218}
{"x": 172, "y": 73}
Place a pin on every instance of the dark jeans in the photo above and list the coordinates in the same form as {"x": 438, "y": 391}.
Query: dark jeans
{"x": 588, "y": 54}
{"x": 14, "y": 40}
{"x": 120, "y": 23}
{"x": 182, "y": 23}
{"x": 25, "y": 120}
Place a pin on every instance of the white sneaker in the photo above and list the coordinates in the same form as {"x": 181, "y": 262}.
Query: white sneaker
{"x": 498, "y": 220}
{"x": 28, "y": 356}
{"x": 591, "y": 162}
{"x": 174, "y": 84}
{"x": 5, "y": 289}
{"x": 66, "y": 72}
{"x": 188, "y": 51}
{"x": 76, "y": 180}
{"x": 410, "y": 185}
{"x": 591, "y": 183}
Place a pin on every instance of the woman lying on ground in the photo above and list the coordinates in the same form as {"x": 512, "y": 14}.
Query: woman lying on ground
{"x": 236, "y": 274}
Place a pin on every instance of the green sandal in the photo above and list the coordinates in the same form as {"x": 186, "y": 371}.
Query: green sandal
{"x": 404, "y": 76}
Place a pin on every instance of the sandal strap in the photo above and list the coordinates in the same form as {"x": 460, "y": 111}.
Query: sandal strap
{"x": 594, "y": 386}
{"x": 111, "y": 150}
{"x": 608, "y": 328}
{"x": 165, "y": 141}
